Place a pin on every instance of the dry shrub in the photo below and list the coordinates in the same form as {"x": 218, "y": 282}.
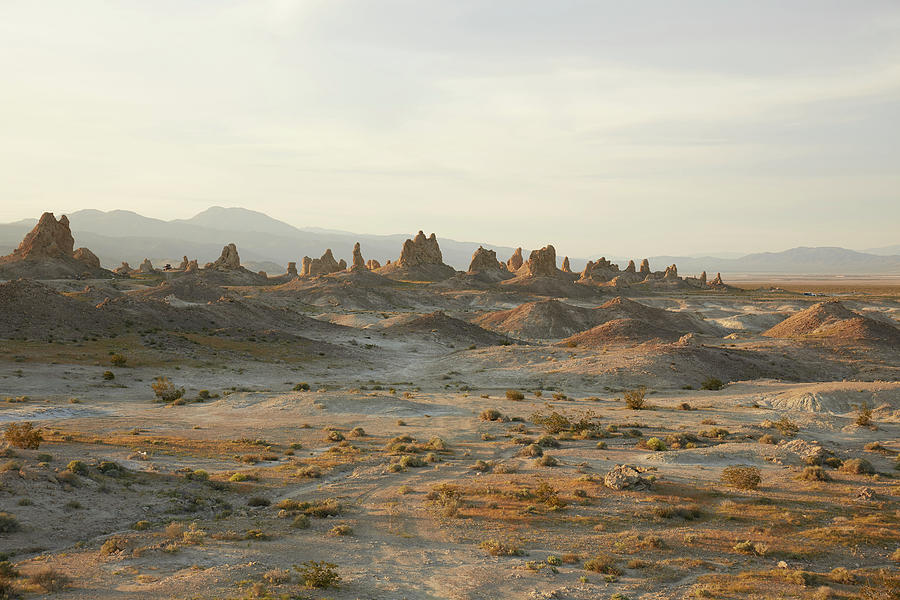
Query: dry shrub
{"x": 165, "y": 390}
{"x": 491, "y": 414}
{"x": 741, "y": 476}
{"x": 50, "y": 580}
{"x": 499, "y": 548}
{"x": 857, "y": 466}
{"x": 8, "y": 523}
{"x": 634, "y": 399}
{"x": 603, "y": 563}
{"x": 23, "y": 435}
{"x": 514, "y": 395}
{"x": 815, "y": 473}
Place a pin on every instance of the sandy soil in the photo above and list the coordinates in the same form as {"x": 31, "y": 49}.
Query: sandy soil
{"x": 204, "y": 497}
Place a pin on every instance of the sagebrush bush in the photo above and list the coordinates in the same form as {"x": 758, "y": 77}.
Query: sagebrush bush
{"x": 656, "y": 444}
{"x": 815, "y": 473}
{"x": 491, "y": 414}
{"x": 603, "y": 563}
{"x": 8, "y": 523}
{"x": 50, "y": 580}
{"x": 23, "y": 435}
{"x": 634, "y": 399}
{"x": 165, "y": 390}
{"x": 499, "y": 548}
{"x": 741, "y": 477}
{"x": 712, "y": 383}
{"x": 514, "y": 395}
{"x": 78, "y": 467}
{"x": 864, "y": 415}
{"x": 857, "y": 466}
{"x": 318, "y": 574}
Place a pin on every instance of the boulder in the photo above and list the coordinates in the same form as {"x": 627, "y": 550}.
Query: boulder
{"x": 229, "y": 259}
{"x": 626, "y": 477}
{"x": 515, "y": 261}
{"x": 123, "y": 269}
{"x": 565, "y": 265}
{"x": 630, "y": 268}
{"x": 373, "y": 264}
{"x": 184, "y": 264}
{"x": 87, "y": 257}
{"x": 192, "y": 267}
{"x": 671, "y": 272}
{"x": 717, "y": 282}
{"x": 292, "y": 269}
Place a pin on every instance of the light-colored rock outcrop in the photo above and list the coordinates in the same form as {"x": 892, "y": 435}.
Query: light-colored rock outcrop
{"x": 87, "y": 257}
{"x": 229, "y": 260}
{"x": 359, "y": 263}
{"x": 485, "y": 261}
{"x": 314, "y": 267}
{"x": 421, "y": 250}
{"x": 542, "y": 262}
{"x": 515, "y": 261}
{"x": 146, "y": 266}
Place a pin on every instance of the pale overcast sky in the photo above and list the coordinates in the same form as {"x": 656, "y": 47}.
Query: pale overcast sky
{"x": 617, "y": 128}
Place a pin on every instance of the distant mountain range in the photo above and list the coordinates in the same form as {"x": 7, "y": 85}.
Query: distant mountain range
{"x": 269, "y": 244}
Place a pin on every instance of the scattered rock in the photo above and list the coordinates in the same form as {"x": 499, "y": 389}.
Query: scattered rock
{"x": 626, "y": 477}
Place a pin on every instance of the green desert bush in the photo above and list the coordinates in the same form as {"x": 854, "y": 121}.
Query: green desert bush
{"x": 78, "y": 467}
{"x": 319, "y": 574}
{"x": 655, "y": 444}
{"x": 712, "y": 383}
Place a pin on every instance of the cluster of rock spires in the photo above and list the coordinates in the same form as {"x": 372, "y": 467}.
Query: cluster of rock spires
{"x": 48, "y": 252}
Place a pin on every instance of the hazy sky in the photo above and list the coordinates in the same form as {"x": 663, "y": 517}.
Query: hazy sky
{"x": 616, "y": 128}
